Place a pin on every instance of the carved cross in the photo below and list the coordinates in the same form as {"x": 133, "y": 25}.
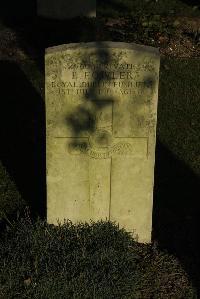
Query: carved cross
{"x": 102, "y": 147}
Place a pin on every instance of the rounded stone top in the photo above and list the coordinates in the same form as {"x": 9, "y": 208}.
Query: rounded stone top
{"x": 102, "y": 45}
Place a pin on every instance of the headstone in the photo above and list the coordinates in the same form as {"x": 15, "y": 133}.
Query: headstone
{"x": 66, "y": 9}
{"x": 101, "y": 109}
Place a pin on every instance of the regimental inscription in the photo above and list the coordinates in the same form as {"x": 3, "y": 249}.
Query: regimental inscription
{"x": 119, "y": 148}
{"x": 101, "y": 107}
{"x": 106, "y": 83}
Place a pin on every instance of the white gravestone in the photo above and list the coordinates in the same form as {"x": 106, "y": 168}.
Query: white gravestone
{"x": 101, "y": 110}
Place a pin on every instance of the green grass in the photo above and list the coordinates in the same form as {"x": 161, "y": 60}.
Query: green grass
{"x": 10, "y": 199}
{"x": 178, "y": 109}
{"x": 99, "y": 260}
{"x": 115, "y": 8}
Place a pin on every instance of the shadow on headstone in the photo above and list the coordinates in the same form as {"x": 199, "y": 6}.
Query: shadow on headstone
{"x": 84, "y": 117}
{"x": 176, "y": 211}
{"x": 22, "y": 134}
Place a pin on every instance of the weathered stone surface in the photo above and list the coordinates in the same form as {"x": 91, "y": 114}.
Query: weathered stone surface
{"x": 66, "y": 9}
{"x": 101, "y": 108}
